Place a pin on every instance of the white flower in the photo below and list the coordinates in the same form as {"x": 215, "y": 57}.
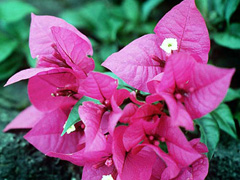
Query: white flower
{"x": 169, "y": 45}
{"x": 71, "y": 129}
{"x": 107, "y": 177}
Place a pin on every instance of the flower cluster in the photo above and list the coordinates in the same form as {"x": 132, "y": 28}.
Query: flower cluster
{"x": 84, "y": 117}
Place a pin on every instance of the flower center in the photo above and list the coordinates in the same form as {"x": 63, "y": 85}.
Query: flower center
{"x": 107, "y": 177}
{"x": 169, "y": 45}
{"x": 69, "y": 91}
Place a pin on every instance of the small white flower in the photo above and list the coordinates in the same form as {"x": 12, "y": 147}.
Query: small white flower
{"x": 71, "y": 129}
{"x": 107, "y": 177}
{"x": 169, "y": 45}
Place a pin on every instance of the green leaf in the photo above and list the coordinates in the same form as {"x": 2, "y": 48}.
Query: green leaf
{"x": 148, "y": 6}
{"x": 31, "y": 62}
{"x": 232, "y": 94}
{"x": 11, "y": 11}
{"x": 90, "y": 15}
{"x": 131, "y": 9}
{"x": 73, "y": 117}
{"x": 209, "y": 133}
{"x": 10, "y": 66}
{"x": 235, "y": 29}
{"x": 202, "y": 5}
{"x": 6, "y": 46}
{"x": 224, "y": 118}
{"x": 227, "y": 40}
{"x": 107, "y": 50}
{"x": 230, "y": 8}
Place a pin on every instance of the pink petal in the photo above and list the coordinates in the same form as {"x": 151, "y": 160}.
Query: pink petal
{"x": 178, "y": 113}
{"x": 198, "y": 146}
{"x": 128, "y": 111}
{"x": 118, "y": 149}
{"x": 41, "y": 87}
{"x": 98, "y": 86}
{"x": 91, "y": 114}
{"x": 133, "y": 135}
{"x": 200, "y": 168}
{"x": 76, "y": 158}
{"x": 91, "y": 173}
{"x": 41, "y": 39}
{"x": 138, "y": 166}
{"x": 26, "y": 119}
{"x": 25, "y": 74}
{"x": 73, "y": 49}
{"x": 134, "y": 63}
{"x": 46, "y": 134}
{"x": 185, "y": 23}
{"x": 181, "y": 156}
{"x": 210, "y": 86}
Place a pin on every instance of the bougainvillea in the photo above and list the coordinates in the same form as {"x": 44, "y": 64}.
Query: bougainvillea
{"x": 84, "y": 117}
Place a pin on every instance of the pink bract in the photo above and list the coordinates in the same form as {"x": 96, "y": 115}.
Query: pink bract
{"x": 143, "y": 59}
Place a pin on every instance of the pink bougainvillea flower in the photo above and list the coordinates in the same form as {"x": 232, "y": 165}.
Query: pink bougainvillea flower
{"x": 151, "y": 131}
{"x": 135, "y": 164}
{"x": 57, "y": 87}
{"x": 199, "y": 168}
{"x": 145, "y": 57}
{"x": 104, "y": 88}
{"x": 26, "y": 119}
{"x": 62, "y": 53}
{"x": 42, "y": 36}
{"x": 191, "y": 89}
{"x": 46, "y": 134}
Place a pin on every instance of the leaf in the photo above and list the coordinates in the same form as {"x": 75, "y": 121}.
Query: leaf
{"x": 230, "y": 8}
{"x": 73, "y": 117}
{"x": 6, "y": 46}
{"x": 224, "y": 118}
{"x": 202, "y": 5}
{"x": 11, "y": 11}
{"x": 232, "y": 94}
{"x": 148, "y": 6}
{"x": 89, "y": 15}
{"x": 235, "y": 29}
{"x": 10, "y": 66}
{"x": 106, "y": 50}
{"x": 131, "y": 10}
{"x": 209, "y": 133}
{"x": 31, "y": 62}
{"x": 227, "y": 40}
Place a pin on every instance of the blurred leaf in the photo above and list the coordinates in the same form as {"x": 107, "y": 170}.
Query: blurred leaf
{"x": 20, "y": 30}
{"x": 89, "y": 15}
{"x": 224, "y": 118}
{"x": 106, "y": 50}
{"x": 11, "y": 11}
{"x": 31, "y": 62}
{"x": 148, "y": 6}
{"x": 219, "y": 6}
{"x": 202, "y": 5}
{"x": 232, "y": 94}
{"x": 98, "y": 66}
{"x": 114, "y": 26}
{"x": 73, "y": 117}
{"x": 235, "y": 29}
{"x": 131, "y": 10}
{"x": 209, "y": 133}
{"x": 227, "y": 40}
{"x": 6, "y": 46}
{"x": 10, "y": 66}
{"x": 230, "y": 8}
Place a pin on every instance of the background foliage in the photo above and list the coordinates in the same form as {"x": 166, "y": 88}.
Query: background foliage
{"x": 110, "y": 25}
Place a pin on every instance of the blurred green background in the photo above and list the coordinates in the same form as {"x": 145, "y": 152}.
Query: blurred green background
{"x": 110, "y": 25}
